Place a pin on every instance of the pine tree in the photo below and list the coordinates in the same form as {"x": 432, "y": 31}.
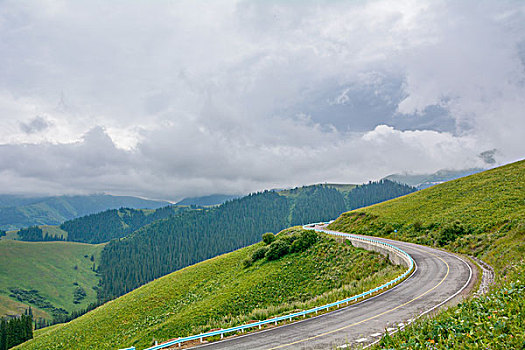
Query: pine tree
{"x": 3, "y": 334}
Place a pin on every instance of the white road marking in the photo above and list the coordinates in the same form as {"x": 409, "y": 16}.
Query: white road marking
{"x": 376, "y": 334}
{"x": 361, "y": 340}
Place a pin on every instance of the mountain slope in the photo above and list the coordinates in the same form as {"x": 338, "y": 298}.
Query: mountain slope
{"x": 421, "y": 181}
{"x": 24, "y": 211}
{"x": 484, "y": 205}
{"x": 43, "y": 275}
{"x": 220, "y": 292}
{"x": 195, "y": 235}
{"x": 481, "y": 215}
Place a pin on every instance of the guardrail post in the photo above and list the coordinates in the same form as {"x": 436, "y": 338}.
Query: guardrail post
{"x": 260, "y": 326}
{"x": 201, "y": 339}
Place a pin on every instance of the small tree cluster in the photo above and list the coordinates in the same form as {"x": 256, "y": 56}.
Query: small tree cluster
{"x": 278, "y": 246}
{"x": 268, "y": 237}
{"x": 305, "y": 240}
{"x": 15, "y": 331}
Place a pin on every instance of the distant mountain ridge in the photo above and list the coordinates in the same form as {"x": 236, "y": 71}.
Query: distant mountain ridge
{"x": 20, "y": 211}
{"x": 421, "y": 181}
{"x": 210, "y": 200}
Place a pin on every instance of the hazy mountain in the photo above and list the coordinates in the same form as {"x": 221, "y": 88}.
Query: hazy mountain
{"x": 213, "y": 199}
{"x": 20, "y": 211}
{"x": 421, "y": 181}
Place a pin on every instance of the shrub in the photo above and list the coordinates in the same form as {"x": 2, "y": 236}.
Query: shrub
{"x": 450, "y": 232}
{"x": 247, "y": 262}
{"x": 259, "y": 253}
{"x": 277, "y": 249}
{"x": 388, "y": 229}
{"x": 268, "y": 237}
{"x": 304, "y": 241}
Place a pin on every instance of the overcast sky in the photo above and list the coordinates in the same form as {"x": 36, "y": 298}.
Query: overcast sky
{"x": 166, "y": 99}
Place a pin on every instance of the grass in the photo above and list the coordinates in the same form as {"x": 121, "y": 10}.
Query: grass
{"x": 494, "y": 321}
{"x": 48, "y": 267}
{"x": 54, "y": 231}
{"x": 51, "y": 230}
{"x": 10, "y": 235}
{"x": 9, "y": 306}
{"x": 220, "y": 293}
{"x": 481, "y": 215}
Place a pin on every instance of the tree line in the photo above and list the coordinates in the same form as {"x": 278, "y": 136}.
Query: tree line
{"x": 101, "y": 227}
{"x": 35, "y": 234}
{"x": 376, "y": 192}
{"x": 111, "y": 224}
{"x": 196, "y": 235}
{"x": 14, "y": 331}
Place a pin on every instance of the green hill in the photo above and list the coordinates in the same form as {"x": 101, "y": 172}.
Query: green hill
{"x": 196, "y": 235}
{"x": 224, "y": 291}
{"x": 481, "y": 215}
{"x": 45, "y": 276}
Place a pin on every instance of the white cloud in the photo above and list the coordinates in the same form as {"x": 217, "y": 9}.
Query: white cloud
{"x": 170, "y": 99}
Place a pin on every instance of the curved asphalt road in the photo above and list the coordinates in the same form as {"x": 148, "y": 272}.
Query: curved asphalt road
{"x": 438, "y": 277}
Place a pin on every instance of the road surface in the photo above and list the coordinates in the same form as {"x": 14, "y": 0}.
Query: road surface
{"x": 438, "y": 278}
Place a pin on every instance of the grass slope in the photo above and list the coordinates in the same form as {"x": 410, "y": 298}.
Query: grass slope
{"x": 48, "y": 267}
{"x": 8, "y": 306}
{"x": 221, "y": 292}
{"x": 482, "y": 215}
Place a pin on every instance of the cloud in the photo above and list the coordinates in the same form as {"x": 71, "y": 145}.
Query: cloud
{"x": 166, "y": 99}
{"x": 35, "y": 125}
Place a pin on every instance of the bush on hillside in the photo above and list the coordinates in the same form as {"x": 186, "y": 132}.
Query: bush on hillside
{"x": 278, "y": 249}
{"x": 449, "y": 233}
{"x": 247, "y": 262}
{"x": 259, "y": 253}
{"x": 268, "y": 237}
{"x": 305, "y": 240}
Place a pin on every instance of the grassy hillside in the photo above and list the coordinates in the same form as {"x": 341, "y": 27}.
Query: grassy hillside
{"x": 222, "y": 292}
{"x": 482, "y": 215}
{"x": 50, "y": 268}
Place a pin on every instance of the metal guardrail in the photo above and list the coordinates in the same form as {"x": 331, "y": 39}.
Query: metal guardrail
{"x": 289, "y": 317}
